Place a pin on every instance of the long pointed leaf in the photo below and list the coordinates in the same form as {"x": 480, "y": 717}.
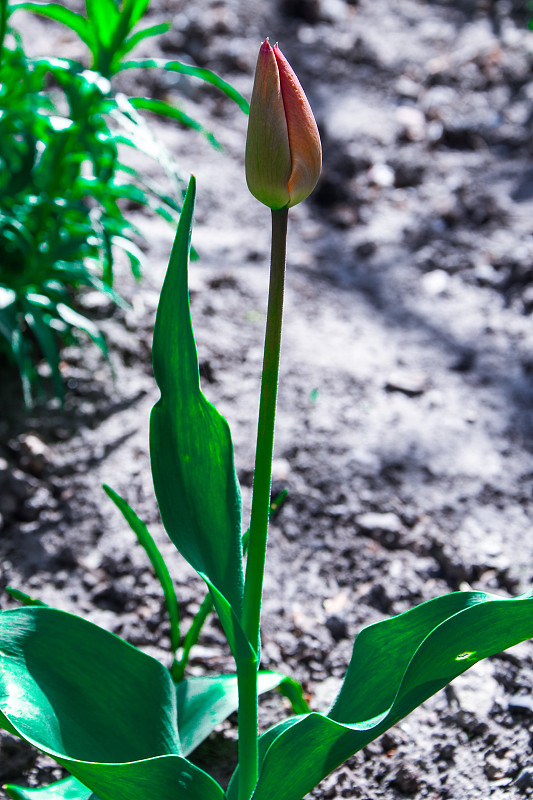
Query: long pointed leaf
{"x": 103, "y": 15}
{"x": 65, "y": 16}
{"x": 136, "y": 10}
{"x": 45, "y": 336}
{"x": 77, "y": 320}
{"x": 172, "y": 112}
{"x": 133, "y": 40}
{"x": 396, "y": 665}
{"x": 24, "y": 598}
{"x": 194, "y": 72}
{"x": 191, "y": 450}
{"x": 160, "y": 568}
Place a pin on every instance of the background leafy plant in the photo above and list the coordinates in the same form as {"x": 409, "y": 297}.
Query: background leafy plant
{"x": 64, "y": 131}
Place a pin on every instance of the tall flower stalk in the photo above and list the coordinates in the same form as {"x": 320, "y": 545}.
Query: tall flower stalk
{"x": 283, "y": 162}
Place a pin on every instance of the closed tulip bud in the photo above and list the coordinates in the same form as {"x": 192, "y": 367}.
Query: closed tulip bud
{"x": 283, "y": 152}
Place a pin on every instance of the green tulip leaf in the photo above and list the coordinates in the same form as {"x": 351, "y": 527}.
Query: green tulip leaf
{"x": 160, "y": 568}
{"x": 294, "y": 693}
{"x": 395, "y": 666}
{"x": 205, "y": 702}
{"x": 130, "y": 784}
{"x": 97, "y": 705}
{"x": 68, "y": 789}
{"x": 164, "y": 776}
{"x": 191, "y": 450}
{"x": 22, "y": 597}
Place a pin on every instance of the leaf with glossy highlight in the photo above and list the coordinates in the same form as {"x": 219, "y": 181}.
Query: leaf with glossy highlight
{"x": 103, "y": 16}
{"x": 396, "y": 665}
{"x": 202, "y": 704}
{"x": 97, "y": 705}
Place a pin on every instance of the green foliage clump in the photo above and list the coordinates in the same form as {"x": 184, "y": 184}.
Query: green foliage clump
{"x": 64, "y": 130}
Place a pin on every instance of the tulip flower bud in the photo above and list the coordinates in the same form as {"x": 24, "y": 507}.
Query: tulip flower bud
{"x": 283, "y": 152}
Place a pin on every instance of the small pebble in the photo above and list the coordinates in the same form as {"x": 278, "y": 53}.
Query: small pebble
{"x": 410, "y": 383}
{"x": 406, "y": 780}
{"x": 336, "y": 625}
{"x": 374, "y": 521}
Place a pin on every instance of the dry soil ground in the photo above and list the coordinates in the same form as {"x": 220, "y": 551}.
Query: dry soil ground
{"x": 405, "y": 425}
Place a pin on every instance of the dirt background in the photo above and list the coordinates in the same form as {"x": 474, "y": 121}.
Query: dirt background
{"x": 405, "y": 423}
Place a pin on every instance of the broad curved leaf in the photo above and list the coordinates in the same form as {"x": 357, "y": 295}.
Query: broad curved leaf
{"x": 159, "y": 778}
{"x": 191, "y": 450}
{"x": 202, "y": 703}
{"x": 97, "y": 705}
{"x": 396, "y": 665}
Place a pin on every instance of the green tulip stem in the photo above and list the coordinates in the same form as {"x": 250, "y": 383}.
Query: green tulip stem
{"x": 260, "y": 513}
{"x": 255, "y": 565}
{"x": 177, "y": 670}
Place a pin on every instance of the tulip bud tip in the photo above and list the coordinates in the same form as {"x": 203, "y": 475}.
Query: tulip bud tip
{"x": 283, "y": 153}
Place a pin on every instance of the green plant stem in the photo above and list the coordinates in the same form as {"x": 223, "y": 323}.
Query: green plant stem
{"x": 177, "y": 670}
{"x": 248, "y": 731}
{"x": 255, "y": 566}
{"x": 253, "y": 586}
